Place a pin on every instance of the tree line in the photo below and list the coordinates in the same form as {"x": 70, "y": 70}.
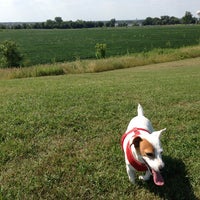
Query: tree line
{"x": 58, "y": 23}
{"x": 167, "y": 20}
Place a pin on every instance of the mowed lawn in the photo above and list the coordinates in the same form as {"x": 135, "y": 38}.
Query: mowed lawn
{"x": 60, "y": 136}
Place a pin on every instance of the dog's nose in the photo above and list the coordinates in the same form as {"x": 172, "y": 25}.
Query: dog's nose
{"x": 161, "y": 166}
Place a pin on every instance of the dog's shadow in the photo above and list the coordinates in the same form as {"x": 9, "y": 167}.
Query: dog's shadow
{"x": 177, "y": 185}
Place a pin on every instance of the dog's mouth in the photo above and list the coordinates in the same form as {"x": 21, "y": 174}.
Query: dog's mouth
{"x": 157, "y": 177}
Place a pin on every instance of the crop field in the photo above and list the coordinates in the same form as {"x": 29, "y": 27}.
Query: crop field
{"x": 60, "y": 135}
{"x": 49, "y": 46}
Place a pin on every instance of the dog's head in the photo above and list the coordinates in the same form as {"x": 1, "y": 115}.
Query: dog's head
{"x": 149, "y": 150}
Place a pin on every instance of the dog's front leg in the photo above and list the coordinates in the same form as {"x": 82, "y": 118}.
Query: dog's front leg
{"x": 146, "y": 176}
{"x": 131, "y": 174}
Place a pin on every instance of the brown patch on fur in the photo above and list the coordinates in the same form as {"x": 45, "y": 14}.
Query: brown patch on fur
{"x": 146, "y": 148}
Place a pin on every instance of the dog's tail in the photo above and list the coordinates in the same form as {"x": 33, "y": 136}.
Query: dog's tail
{"x": 140, "y": 110}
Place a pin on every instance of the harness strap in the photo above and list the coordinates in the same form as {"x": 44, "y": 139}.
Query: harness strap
{"x": 134, "y": 130}
{"x": 134, "y": 163}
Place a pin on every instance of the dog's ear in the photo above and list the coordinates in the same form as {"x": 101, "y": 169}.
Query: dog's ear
{"x": 136, "y": 141}
{"x": 158, "y": 133}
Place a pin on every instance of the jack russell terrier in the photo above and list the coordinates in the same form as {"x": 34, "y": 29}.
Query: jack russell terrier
{"x": 142, "y": 149}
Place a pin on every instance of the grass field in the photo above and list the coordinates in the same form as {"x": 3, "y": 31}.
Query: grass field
{"x": 49, "y": 46}
{"x": 59, "y": 136}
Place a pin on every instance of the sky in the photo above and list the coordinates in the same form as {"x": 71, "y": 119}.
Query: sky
{"x": 93, "y": 10}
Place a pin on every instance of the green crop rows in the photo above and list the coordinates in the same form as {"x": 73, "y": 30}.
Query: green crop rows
{"x": 48, "y": 46}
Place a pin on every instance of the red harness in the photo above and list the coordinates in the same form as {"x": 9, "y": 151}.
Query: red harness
{"x": 135, "y": 163}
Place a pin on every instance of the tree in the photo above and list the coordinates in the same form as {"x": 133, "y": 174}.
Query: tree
{"x": 187, "y": 18}
{"x": 165, "y": 20}
{"x": 58, "y": 20}
{"x": 49, "y": 24}
{"x": 156, "y": 21}
{"x": 111, "y": 23}
{"x": 99, "y": 24}
{"x": 100, "y": 50}
{"x": 148, "y": 21}
{"x": 10, "y": 55}
{"x": 174, "y": 20}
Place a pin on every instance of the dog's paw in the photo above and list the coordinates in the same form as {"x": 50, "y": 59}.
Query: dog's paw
{"x": 132, "y": 180}
{"x": 141, "y": 178}
{"x": 144, "y": 178}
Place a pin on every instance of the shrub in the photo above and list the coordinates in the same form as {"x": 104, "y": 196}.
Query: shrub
{"x": 49, "y": 71}
{"x": 100, "y": 50}
{"x": 10, "y": 55}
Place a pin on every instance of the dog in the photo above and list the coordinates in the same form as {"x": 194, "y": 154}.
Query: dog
{"x": 142, "y": 149}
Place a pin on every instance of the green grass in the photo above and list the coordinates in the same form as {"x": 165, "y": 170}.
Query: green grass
{"x": 59, "y": 136}
{"x": 49, "y": 46}
{"x": 112, "y": 63}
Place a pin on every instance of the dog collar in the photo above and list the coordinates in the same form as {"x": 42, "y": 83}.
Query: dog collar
{"x": 133, "y": 162}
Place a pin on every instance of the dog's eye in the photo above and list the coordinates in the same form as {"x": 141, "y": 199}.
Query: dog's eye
{"x": 150, "y": 154}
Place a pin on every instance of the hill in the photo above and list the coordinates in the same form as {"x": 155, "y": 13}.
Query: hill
{"x": 60, "y": 135}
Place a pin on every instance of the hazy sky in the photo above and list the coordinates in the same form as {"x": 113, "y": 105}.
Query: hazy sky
{"x": 41, "y": 10}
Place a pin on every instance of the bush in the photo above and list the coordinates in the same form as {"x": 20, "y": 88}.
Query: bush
{"x": 100, "y": 50}
{"x": 10, "y": 55}
{"x": 49, "y": 71}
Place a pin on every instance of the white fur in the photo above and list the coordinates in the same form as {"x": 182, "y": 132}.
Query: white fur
{"x": 140, "y": 121}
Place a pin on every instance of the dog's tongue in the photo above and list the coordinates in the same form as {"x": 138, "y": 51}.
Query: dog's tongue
{"x": 157, "y": 178}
